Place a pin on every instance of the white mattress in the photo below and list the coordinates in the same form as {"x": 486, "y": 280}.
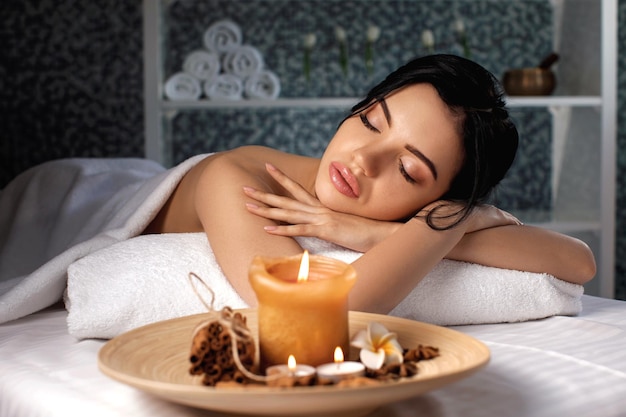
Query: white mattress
{"x": 561, "y": 366}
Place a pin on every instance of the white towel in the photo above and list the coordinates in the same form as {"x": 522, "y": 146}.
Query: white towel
{"x": 183, "y": 86}
{"x": 224, "y": 86}
{"x": 242, "y": 61}
{"x": 203, "y": 65}
{"x": 459, "y": 293}
{"x": 60, "y": 211}
{"x": 145, "y": 279}
{"x": 141, "y": 281}
{"x": 222, "y": 36}
{"x": 262, "y": 85}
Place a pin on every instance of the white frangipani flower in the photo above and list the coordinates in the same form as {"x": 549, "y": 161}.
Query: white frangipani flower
{"x": 378, "y": 346}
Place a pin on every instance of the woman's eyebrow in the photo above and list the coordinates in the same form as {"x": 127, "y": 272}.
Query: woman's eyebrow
{"x": 383, "y": 104}
{"x": 423, "y": 158}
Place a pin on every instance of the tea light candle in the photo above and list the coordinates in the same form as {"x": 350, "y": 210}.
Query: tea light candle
{"x": 340, "y": 370}
{"x": 302, "y": 307}
{"x": 290, "y": 374}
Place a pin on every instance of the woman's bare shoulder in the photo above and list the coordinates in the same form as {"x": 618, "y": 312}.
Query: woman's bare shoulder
{"x": 244, "y": 156}
{"x": 217, "y": 173}
{"x": 235, "y": 164}
{"x": 247, "y": 164}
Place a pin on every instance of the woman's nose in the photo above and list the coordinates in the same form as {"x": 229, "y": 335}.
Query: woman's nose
{"x": 370, "y": 159}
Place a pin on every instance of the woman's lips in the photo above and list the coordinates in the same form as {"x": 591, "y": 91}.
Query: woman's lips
{"x": 343, "y": 180}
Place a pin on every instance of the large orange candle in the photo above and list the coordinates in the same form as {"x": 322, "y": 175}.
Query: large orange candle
{"x": 306, "y": 318}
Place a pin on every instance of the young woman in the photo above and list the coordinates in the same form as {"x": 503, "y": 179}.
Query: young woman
{"x": 403, "y": 180}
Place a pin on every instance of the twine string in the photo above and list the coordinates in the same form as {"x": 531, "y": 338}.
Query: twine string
{"x": 236, "y": 328}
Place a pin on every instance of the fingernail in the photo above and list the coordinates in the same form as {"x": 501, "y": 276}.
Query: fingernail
{"x": 269, "y": 228}
{"x": 252, "y": 205}
{"x": 270, "y": 167}
{"x": 248, "y": 189}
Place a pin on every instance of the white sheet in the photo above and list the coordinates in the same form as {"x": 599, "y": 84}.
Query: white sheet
{"x": 560, "y": 366}
{"x": 60, "y": 211}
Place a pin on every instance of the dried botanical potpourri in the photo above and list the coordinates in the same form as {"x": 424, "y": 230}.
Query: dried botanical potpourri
{"x": 223, "y": 352}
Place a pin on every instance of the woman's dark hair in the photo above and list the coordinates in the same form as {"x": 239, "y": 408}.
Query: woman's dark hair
{"x": 490, "y": 138}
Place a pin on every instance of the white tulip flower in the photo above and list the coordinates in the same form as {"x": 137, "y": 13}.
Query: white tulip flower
{"x": 340, "y": 34}
{"x": 428, "y": 40}
{"x": 373, "y": 33}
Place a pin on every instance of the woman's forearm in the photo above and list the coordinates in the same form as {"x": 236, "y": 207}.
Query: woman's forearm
{"x": 392, "y": 268}
{"x": 528, "y": 248}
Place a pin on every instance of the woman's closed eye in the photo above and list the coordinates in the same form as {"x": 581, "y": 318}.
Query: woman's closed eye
{"x": 405, "y": 173}
{"x": 367, "y": 123}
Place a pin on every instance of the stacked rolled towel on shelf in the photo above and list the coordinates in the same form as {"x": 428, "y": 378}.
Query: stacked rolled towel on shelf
{"x": 204, "y": 65}
{"x": 224, "y": 86}
{"x": 226, "y": 69}
{"x": 182, "y": 86}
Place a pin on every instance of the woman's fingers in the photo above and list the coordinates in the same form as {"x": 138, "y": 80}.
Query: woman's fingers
{"x": 295, "y": 218}
{"x": 487, "y": 216}
{"x": 277, "y": 201}
{"x": 283, "y": 214}
{"x": 293, "y": 230}
{"x": 296, "y": 190}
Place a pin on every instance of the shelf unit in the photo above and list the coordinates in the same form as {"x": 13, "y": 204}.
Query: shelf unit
{"x": 346, "y": 102}
{"x": 586, "y": 27}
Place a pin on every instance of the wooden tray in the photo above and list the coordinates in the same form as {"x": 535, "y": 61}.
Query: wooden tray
{"x": 154, "y": 359}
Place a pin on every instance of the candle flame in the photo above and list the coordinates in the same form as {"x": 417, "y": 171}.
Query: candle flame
{"x": 338, "y": 355}
{"x": 291, "y": 363}
{"x": 303, "y": 274}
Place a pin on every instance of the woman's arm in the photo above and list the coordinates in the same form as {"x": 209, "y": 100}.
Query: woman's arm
{"x": 389, "y": 271}
{"x": 304, "y": 215}
{"x": 235, "y": 235}
{"x": 492, "y": 238}
{"x": 528, "y": 248}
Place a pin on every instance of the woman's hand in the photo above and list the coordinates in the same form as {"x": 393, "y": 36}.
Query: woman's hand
{"x": 487, "y": 216}
{"x": 304, "y": 215}
{"x": 481, "y": 217}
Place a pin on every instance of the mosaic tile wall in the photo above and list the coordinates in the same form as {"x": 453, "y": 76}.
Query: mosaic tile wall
{"x": 522, "y": 36}
{"x": 501, "y": 34}
{"x": 71, "y": 79}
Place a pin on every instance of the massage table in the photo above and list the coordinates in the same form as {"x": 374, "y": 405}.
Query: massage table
{"x": 558, "y": 366}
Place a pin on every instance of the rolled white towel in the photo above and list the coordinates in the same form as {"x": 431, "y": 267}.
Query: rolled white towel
{"x": 242, "y": 61}
{"x": 222, "y": 36}
{"x": 224, "y": 86}
{"x": 203, "y": 65}
{"x": 262, "y": 85}
{"x": 183, "y": 86}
